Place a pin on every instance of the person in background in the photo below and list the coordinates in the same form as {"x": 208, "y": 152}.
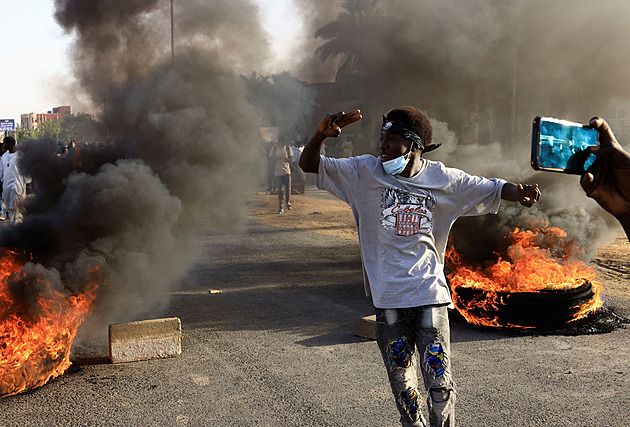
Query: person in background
{"x": 404, "y": 207}
{"x": 283, "y": 155}
{"x": 13, "y": 181}
{"x": 3, "y": 209}
{"x": 297, "y": 175}
{"x": 607, "y": 181}
{"x": 346, "y": 148}
{"x": 61, "y": 149}
{"x": 74, "y": 154}
{"x": 295, "y": 149}
{"x": 271, "y": 166}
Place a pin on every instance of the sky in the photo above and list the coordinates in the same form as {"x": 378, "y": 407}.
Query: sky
{"x": 36, "y": 51}
{"x": 282, "y": 25}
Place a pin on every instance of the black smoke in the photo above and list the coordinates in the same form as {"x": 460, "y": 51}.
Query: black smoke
{"x": 180, "y": 155}
{"x": 182, "y": 138}
{"x": 482, "y": 70}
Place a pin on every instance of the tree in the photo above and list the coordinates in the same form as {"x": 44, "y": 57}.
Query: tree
{"x": 349, "y": 36}
{"x": 354, "y": 35}
{"x": 22, "y": 134}
{"x": 81, "y": 127}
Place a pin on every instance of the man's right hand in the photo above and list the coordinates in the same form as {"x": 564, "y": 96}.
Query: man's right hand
{"x": 331, "y": 125}
{"x": 608, "y": 180}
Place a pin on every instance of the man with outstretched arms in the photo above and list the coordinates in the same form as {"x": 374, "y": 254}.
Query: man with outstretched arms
{"x": 404, "y": 207}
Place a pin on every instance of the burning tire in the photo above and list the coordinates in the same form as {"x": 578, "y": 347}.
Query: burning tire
{"x": 542, "y": 309}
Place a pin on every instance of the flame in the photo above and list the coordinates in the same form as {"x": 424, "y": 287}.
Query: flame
{"x": 36, "y": 348}
{"x": 539, "y": 260}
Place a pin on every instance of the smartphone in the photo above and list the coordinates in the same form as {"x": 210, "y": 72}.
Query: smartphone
{"x": 561, "y": 146}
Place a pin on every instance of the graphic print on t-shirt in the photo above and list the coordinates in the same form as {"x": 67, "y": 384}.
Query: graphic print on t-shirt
{"x": 407, "y": 213}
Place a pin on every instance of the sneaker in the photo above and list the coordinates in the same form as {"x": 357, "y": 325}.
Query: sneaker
{"x": 289, "y": 207}
{"x": 280, "y": 211}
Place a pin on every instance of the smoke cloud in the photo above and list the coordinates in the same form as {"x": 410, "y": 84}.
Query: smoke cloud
{"x": 314, "y": 15}
{"x": 183, "y": 138}
{"x": 180, "y": 156}
{"x": 482, "y": 70}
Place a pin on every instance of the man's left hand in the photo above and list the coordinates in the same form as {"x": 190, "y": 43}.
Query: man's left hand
{"x": 528, "y": 194}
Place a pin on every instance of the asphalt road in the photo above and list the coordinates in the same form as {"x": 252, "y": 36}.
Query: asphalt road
{"x": 276, "y": 348}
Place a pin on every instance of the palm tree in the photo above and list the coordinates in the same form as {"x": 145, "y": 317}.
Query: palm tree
{"x": 352, "y": 36}
{"x": 283, "y": 101}
{"x": 347, "y": 36}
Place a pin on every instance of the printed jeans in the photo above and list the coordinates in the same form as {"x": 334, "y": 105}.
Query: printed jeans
{"x": 418, "y": 337}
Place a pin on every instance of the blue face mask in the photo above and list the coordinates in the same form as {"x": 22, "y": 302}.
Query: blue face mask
{"x": 396, "y": 165}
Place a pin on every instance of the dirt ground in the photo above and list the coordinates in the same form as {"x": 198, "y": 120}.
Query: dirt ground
{"x": 322, "y": 213}
{"x": 275, "y": 346}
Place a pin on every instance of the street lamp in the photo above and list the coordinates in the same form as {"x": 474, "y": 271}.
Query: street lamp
{"x": 172, "y": 36}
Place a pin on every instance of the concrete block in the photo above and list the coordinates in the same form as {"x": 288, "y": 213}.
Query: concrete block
{"x": 145, "y": 339}
{"x": 366, "y": 327}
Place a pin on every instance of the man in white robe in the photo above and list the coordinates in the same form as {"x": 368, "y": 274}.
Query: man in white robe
{"x": 13, "y": 181}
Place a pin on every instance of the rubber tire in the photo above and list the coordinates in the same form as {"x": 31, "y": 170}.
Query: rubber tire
{"x": 545, "y": 309}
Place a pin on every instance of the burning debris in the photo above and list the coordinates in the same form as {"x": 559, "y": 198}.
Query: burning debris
{"x": 38, "y": 322}
{"x": 110, "y": 235}
{"x": 536, "y": 282}
{"x": 121, "y": 226}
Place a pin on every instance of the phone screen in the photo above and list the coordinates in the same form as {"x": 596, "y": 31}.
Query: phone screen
{"x": 561, "y": 145}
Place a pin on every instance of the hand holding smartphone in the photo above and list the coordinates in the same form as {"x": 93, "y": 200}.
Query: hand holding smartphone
{"x": 562, "y": 146}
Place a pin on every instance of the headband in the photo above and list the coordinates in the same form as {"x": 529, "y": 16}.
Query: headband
{"x": 399, "y": 129}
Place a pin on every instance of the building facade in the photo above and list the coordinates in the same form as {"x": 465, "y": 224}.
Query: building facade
{"x": 31, "y": 121}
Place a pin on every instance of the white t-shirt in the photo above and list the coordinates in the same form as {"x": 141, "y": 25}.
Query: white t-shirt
{"x": 403, "y": 223}
{"x": 297, "y": 152}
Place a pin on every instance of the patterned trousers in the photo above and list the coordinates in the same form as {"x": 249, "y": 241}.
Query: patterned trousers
{"x": 412, "y": 338}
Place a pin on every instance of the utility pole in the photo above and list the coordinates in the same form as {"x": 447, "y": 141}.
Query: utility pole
{"x": 106, "y": 120}
{"x": 514, "y": 97}
{"x": 172, "y": 36}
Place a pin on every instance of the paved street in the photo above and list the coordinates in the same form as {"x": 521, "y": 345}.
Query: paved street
{"x": 276, "y": 348}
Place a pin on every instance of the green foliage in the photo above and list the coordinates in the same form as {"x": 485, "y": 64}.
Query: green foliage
{"x": 80, "y": 127}
{"x": 22, "y": 134}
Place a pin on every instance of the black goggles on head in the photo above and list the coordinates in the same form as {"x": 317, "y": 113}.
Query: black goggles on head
{"x": 397, "y": 128}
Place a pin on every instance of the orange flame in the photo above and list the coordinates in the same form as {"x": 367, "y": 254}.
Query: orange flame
{"x": 536, "y": 261}
{"x": 35, "y": 350}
